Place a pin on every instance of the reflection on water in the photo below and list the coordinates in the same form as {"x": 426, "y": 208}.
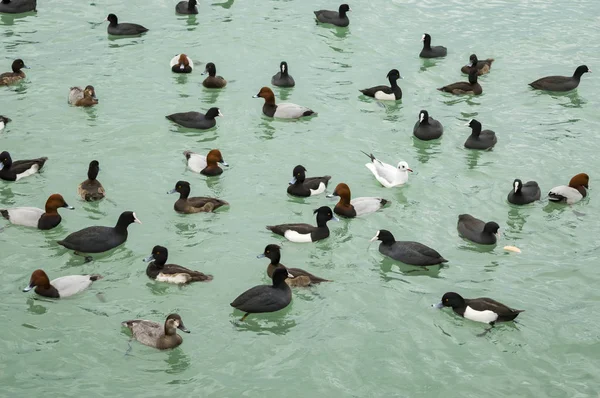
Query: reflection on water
{"x": 177, "y": 361}
{"x": 426, "y": 149}
{"x": 210, "y": 96}
{"x": 227, "y": 5}
{"x": 569, "y": 99}
{"x": 35, "y": 306}
{"x": 516, "y": 220}
{"x": 268, "y": 131}
{"x": 180, "y": 78}
{"x": 427, "y": 63}
{"x": 473, "y": 156}
{"x": 191, "y": 22}
{"x": 113, "y": 41}
{"x": 264, "y": 324}
{"x": 387, "y": 266}
{"x": 284, "y": 93}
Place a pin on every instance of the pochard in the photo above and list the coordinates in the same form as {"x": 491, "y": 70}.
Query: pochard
{"x": 471, "y": 87}
{"x": 86, "y": 97}
{"x": 477, "y": 231}
{"x": 156, "y": 335}
{"x": 301, "y": 278}
{"x": 91, "y": 189}
{"x": 181, "y": 63}
{"x": 186, "y": 7}
{"x": 305, "y": 233}
{"x": 17, "y": 74}
{"x": 385, "y": 93}
{"x": 123, "y": 29}
{"x": 523, "y": 194}
{"x": 283, "y": 77}
{"x": 160, "y": 271}
{"x": 284, "y": 110}
{"x": 38, "y": 218}
{"x": 3, "y": 122}
{"x": 408, "y": 252}
{"x": 388, "y": 175}
{"x": 572, "y": 193}
{"x": 337, "y": 18}
{"x": 431, "y": 52}
{"x": 480, "y": 139}
{"x": 207, "y": 165}
{"x": 213, "y": 81}
{"x": 484, "y": 310}
{"x": 14, "y": 171}
{"x": 196, "y": 120}
{"x": 187, "y": 205}
{"x": 561, "y": 83}
{"x": 265, "y": 298}
{"x": 350, "y": 208}
{"x": 62, "y": 287}
{"x": 303, "y": 186}
{"x": 483, "y": 67}
{"x": 427, "y": 128}
{"x": 17, "y": 6}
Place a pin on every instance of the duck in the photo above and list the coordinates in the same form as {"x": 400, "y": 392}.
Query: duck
{"x": 484, "y": 310}
{"x": 385, "y": 93}
{"x": 483, "y": 67}
{"x": 86, "y": 97}
{"x": 337, "y": 18}
{"x": 483, "y": 140}
{"x": 301, "y": 278}
{"x": 160, "y": 271}
{"x": 14, "y": 171}
{"x": 98, "y": 239}
{"x": 477, "y": 231}
{"x": 91, "y": 189}
{"x": 156, "y": 335}
{"x": 357, "y": 206}
{"x": 213, "y": 81}
{"x": 206, "y": 165}
{"x": 303, "y": 186}
{"x": 38, "y": 218}
{"x": 187, "y": 205}
{"x": 62, "y": 287}
{"x": 186, "y": 7}
{"x": 431, "y": 52}
{"x": 407, "y": 252}
{"x": 4, "y": 121}
{"x": 284, "y": 110}
{"x": 573, "y": 193}
{"x": 123, "y": 29}
{"x": 427, "y": 128}
{"x": 561, "y": 83}
{"x": 388, "y": 175}
{"x": 265, "y": 298}
{"x": 523, "y": 194}
{"x": 17, "y": 74}
{"x": 283, "y": 77}
{"x": 305, "y": 233}
{"x": 196, "y": 120}
{"x": 17, "y": 6}
{"x": 471, "y": 87}
{"x": 181, "y": 63}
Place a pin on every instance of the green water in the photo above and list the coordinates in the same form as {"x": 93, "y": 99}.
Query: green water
{"x": 370, "y": 333}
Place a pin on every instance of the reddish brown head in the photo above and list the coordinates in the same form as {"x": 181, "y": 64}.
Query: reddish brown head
{"x": 580, "y": 180}
{"x": 38, "y": 279}
{"x": 267, "y": 94}
{"x": 214, "y": 157}
{"x": 54, "y": 202}
{"x": 343, "y": 191}
{"x": 183, "y": 60}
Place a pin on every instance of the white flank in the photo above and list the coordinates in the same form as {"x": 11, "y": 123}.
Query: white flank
{"x": 196, "y": 162}
{"x": 32, "y": 170}
{"x": 296, "y": 237}
{"x": 571, "y": 194}
{"x": 290, "y": 111}
{"x": 71, "y": 284}
{"x": 319, "y": 190}
{"x": 26, "y": 216}
{"x": 380, "y": 95}
{"x": 486, "y": 316}
{"x": 174, "y": 278}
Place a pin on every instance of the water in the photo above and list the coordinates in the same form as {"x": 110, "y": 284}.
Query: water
{"x": 370, "y": 333}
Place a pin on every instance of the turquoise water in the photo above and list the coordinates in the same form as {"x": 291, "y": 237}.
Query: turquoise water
{"x": 370, "y": 333}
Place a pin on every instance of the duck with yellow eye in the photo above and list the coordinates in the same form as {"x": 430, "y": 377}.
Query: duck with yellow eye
{"x": 301, "y": 278}
{"x": 160, "y": 271}
{"x": 305, "y": 233}
{"x": 16, "y": 75}
{"x": 199, "y": 204}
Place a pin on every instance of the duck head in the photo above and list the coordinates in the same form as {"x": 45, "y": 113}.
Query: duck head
{"x": 172, "y": 323}
{"x": 298, "y": 175}
{"x": 56, "y": 201}
{"x": 38, "y": 279}
{"x": 272, "y": 252}
{"x": 159, "y": 255}
{"x": 183, "y": 187}
{"x": 451, "y": 299}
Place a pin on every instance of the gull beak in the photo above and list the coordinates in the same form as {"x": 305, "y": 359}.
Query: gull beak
{"x": 409, "y": 170}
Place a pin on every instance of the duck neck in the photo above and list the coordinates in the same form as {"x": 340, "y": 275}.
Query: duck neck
{"x": 122, "y": 224}
{"x": 344, "y": 200}
{"x": 475, "y": 131}
{"x": 184, "y": 193}
{"x": 322, "y": 221}
{"x": 192, "y": 5}
{"x": 275, "y": 258}
{"x": 393, "y": 82}
{"x": 473, "y": 77}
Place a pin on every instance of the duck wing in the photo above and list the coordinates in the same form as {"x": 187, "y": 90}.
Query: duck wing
{"x": 457, "y": 87}
{"x": 196, "y": 162}
{"x": 314, "y": 182}
{"x": 298, "y": 272}
{"x": 302, "y": 228}
{"x": 550, "y": 80}
{"x": 144, "y": 331}
{"x": 326, "y": 15}
{"x": 371, "y": 91}
{"x": 20, "y": 166}
{"x": 468, "y": 223}
{"x": 184, "y": 117}
{"x": 367, "y": 205}
{"x": 564, "y": 193}
{"x": 488, "y": 304}
{"x": 174, "y": 269}
{"x": 26, "y": 216}
{"x": 201, "y": 201}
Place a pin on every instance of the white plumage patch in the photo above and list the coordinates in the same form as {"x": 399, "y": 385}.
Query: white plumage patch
{"x": 26, "y": 216}
{"x": 296, "y": 237}
{"x": 365, "y": 205}
{"x": 71, "y": 284}
{"x": 31, "y": 171}
{"x": 174, "y": 278}
{"x": 486, "y": 316}
{"x": 319, "y": 190}
{"x": 290, "y": 111}
{"x": 1, "y": 126}
{"x": 196, "y": 162}
{"x": 380, "y": 95}
{"x": 570, "y": 195}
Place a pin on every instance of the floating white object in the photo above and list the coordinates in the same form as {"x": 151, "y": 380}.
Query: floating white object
{"x": 512, "y": 249}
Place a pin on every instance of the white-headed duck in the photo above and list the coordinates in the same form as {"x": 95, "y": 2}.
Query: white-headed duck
{"x": 304, "y": 233}
{"x": 484, "y": 309}
{"x": 17, "y": 6}
{"x": 408, "y": 252}
{"x": 265, "y": 298}
{"x": 427, "y": 128}
{"x": 283, "y": 111}
{"x": 100, "y": 239}
{"x": 62, "y": 287}
{"x": 37, "y": 218}
{"x": 283, "y": 77}
{"x": 477, "y": 231}
{"x": 123, "y": 29}
{"x": 16, "y": 74}
{"x": 186, "y": 7}
{"x": 480, "y": 139}
{"x": 181, "y": 64}
{"x": 523, "y": 194}
{"x": 303, "y": 186}
{"x": 561, "y": 83}
{"x": 388, "y": 175}
{"x": 431, "y": 52}
{"x": 351, "y": 208}
{"x": 300, "y": 277}
{"x": 337, "y": 18}
{"x": 386, "y": 93}
{"x": 573, "y": 193}
{"x": 156, "y": 335}
{"x": 207, "y": 165}
{"x": 85, "y": 97}
{"x": 196, "y": 120}
{"x": 3, "y": 122}
{"x": 483, "y": 67}
{"x": 471, "y": 87}
{"x": 160, "y": 271}
{"x": 91, "y": 189}
{"x": 188, "y": 205}
{"x": 213, "y": 81}
{"x": 14, "y": 171}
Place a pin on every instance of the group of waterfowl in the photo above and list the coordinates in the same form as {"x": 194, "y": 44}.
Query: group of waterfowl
{"x": 274, "y": 297}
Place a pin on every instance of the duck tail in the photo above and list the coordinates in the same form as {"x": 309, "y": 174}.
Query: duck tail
{"x": 490, "y": 60}
{"x": 95, "y": 277}
{"x": 443, "y": 260}
{"x": 370, "y": 155}
{"x": 187, "y": 154}
{"x": 383, "y": 202}
{"x": 4, "y": 213}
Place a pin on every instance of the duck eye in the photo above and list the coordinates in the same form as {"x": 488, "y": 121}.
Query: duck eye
{"x": 179, "y": 187}
{"x": 268, "y": 252}
{"x": 446, "y": 300}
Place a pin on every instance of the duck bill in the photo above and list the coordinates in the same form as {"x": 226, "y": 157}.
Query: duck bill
{"x": 1, "y": 165}
{"x": 171, "y": 191}
{"x": 256, "y": 96}
{"x": 293, "y": 181}
{"x": 331, "y": 195}
{"x": 29, "y": 287}
{"x": 183, "y": 328}
{"x": 66, "y": 206}
{"x": 148, "y": 259}
{"x": 261, "y": 256}
{"x": 438, "y": 305}
{"x": 224, "y": 163}
{"x": 334, "y": 218}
